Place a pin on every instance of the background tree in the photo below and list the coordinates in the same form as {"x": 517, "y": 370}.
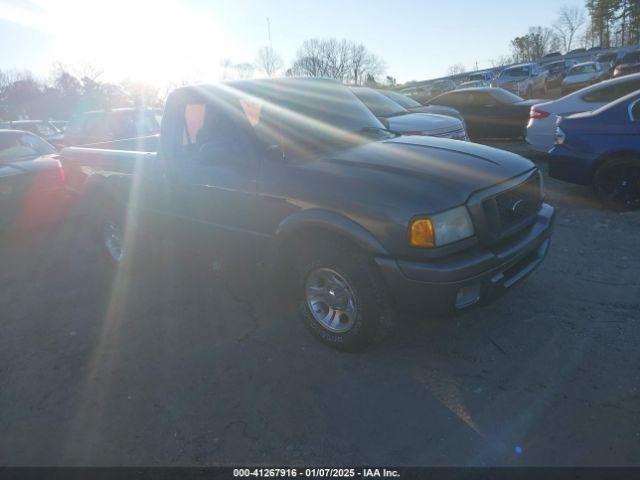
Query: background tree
{"x": 456, "y": 69}
{"x": 534, "y": 45}
{"x": 343, "y": 60}
{"x": 268, "y": 61}
{"x": 570, "y": 20}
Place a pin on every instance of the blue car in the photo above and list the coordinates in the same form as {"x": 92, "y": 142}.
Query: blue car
{"x": 602, "y": 148}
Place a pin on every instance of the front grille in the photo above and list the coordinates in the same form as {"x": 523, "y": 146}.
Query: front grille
{"x": 500, "y": 215}
{"x": 519, "y": 203}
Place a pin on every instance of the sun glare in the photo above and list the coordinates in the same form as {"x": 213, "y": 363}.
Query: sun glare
{"x": 159, "y": 42}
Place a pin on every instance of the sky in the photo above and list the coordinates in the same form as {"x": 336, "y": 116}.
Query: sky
{"x": 170, "y": 41}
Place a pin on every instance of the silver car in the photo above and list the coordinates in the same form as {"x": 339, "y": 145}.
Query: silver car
{"x": 400, "y": 120}
{"x": 524, "y": 80}
{"x": 582, "y": 75}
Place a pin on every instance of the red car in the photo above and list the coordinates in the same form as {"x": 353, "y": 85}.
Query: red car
{"x": 32, "y": 192}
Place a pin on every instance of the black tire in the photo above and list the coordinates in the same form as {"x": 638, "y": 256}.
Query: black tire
{"x": 136, "y": 249}
{"x": 617, "y": 183}
{"x": 373, "y": 320}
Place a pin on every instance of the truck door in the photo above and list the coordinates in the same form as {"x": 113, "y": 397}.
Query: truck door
{"x": 214, "y": 179}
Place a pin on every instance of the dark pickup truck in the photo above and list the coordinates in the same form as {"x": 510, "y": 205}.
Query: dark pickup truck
{"x": 301, "y": 173}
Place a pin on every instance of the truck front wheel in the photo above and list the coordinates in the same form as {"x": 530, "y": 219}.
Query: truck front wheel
{"x": 344, "y": 301}
{"x": 118, "y": 239}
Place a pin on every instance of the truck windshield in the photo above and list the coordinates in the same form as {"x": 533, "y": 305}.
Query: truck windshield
{"x": 310, "y": 118}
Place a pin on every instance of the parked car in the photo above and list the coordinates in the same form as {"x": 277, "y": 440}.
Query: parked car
{"x": 415, "y": 107}
{"x": 484, "y": 77}
{"x": 557, "y": 71}
{"x": 602, "y": 148}
{"x": 109, "y": 125}
{"x": 420, "y": 94}
{"x": 579, "y": 55}
{"x": 400, "y": 120}
{"x": 582, "y": 75}
{"x": 441, "y": 86}
{"x": 32, "y": 192}
{"x": 550, "y": 57}
{"x": 544, "y": 116}
{"x": 472, "y": 84}
{"x": 489, "y": 112}
{"x": 524, "y": 80}
{"x": 630, "y": 63}
{"x": 608, "y": 62}
{"x": 301, "y": 174}
{"x": 42, "y": 128}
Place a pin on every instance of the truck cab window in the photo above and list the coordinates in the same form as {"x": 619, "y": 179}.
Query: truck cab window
{"x": 210, "y": 134}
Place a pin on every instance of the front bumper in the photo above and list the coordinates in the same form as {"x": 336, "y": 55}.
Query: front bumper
{"x": 469, "y": 279}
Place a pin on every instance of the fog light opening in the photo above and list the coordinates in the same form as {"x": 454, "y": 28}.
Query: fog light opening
{"x": 468, "y": 295}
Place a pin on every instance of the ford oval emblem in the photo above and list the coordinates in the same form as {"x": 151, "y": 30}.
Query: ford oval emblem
{"x": 517, "y": 207}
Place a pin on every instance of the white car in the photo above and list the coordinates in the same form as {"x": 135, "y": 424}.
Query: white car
{"x": 543, "y": 117}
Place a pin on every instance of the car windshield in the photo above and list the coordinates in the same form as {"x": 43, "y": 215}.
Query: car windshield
{"x": 16, "y": 145}
{"x": 400, "y": 99}
{"x": 582, "y": 69}
{"x": 379, "y": 105}
{"x": 516, "y": 72}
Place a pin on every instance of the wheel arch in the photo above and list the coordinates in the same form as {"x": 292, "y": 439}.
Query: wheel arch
{"x": 611, "y": 155}
{"x": 294, "y": 229}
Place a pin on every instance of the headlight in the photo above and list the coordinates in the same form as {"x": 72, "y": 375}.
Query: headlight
{"x": 441, "y": 229}
{"x": 560, "y": 136}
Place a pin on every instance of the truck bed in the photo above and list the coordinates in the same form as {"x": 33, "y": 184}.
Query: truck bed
{"x": 80, "y": 163}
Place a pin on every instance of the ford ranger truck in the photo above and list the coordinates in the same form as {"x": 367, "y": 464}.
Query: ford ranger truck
{"x": 299, "y": 172}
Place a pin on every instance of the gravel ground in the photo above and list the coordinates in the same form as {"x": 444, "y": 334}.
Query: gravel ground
{"x": 215, "y": 368}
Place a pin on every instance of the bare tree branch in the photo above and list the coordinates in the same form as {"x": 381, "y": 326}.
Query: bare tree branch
{"x": 570, "y": 21}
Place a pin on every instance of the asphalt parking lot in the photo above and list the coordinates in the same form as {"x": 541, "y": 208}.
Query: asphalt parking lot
{"x": 177, "y": 369}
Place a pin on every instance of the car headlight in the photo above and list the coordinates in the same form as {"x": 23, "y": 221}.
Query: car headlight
{"x": 441, "y": 229}
{"x": 560, "y": 136}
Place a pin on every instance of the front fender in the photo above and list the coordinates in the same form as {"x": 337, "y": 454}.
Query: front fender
{"x": 331, "y": 222}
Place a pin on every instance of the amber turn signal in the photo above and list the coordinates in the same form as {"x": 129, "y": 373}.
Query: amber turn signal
{"x": 421, "y": 234}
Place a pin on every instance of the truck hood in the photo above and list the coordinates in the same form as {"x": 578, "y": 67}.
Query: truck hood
{"x": 423, "y": 122}
{"x": 435, "y": 173}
